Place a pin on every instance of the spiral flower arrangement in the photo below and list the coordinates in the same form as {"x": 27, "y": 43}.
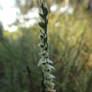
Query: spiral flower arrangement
{"x": 45, "y": 62}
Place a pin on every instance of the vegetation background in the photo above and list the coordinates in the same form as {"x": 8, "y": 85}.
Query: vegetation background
{"x": 70, "y": 48}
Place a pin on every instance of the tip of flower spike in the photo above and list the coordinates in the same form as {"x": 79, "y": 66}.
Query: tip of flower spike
{"x": 45, "y": 10}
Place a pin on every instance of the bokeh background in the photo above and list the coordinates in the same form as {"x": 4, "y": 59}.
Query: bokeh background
{"x": 70, "y": 45}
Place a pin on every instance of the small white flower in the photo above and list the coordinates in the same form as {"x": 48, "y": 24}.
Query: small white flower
{"x": 49, "y": 76}
{"x": 42, "y": 61}
{"x": 50, "y": 85}
{"x": 44, "y": 53}
{"x": 49, "y": 61}
{"x": 50, "y": 67}
{"x": 41, "y": 44}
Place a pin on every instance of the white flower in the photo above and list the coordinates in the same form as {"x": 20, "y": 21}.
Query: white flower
{"x": 41, "y": 44}
{"x": 50, "y": 85}
{"x": 49, "y": 76}
{"x": 49, "y": 67}
{"x": 49, "y": 61}
{"x": 42, "y": 61}
{"x": 44, "y": 53}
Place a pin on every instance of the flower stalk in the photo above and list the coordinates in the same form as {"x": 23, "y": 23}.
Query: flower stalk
{"x": 45, "y": 62}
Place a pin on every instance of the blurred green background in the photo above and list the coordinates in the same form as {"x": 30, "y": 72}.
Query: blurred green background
{"x": 70, "y": 48}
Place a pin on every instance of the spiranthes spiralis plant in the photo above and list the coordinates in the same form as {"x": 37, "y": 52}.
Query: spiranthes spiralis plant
{"x": 45, "y": 62}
